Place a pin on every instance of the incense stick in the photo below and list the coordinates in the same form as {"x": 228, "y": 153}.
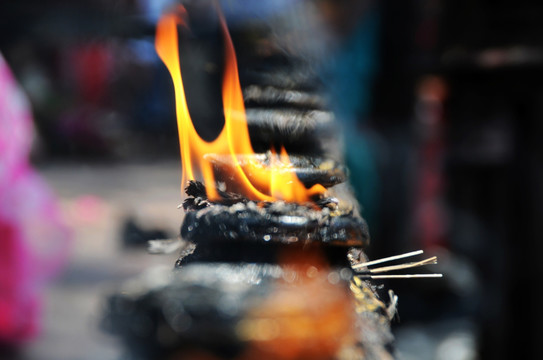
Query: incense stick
{"x": 410, "y": 276}
{"x": 387, "y": 259}
{"x": 429, "y": 261}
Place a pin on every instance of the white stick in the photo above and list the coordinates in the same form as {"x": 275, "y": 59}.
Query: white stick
{"x": 411, "y": 276}
{"x": 429, "y": 261}
{"x": 379, "y": 261}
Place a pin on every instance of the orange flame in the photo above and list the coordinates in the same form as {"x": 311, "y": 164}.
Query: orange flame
{"x": 257, "y": 181}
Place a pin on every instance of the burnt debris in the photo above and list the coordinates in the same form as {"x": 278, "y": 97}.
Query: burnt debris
{"x": 235, "y": 229}
{"x": 236, "y": 218}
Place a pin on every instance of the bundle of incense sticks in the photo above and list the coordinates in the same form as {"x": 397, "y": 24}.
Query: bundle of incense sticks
{"x": 365, "y": 270}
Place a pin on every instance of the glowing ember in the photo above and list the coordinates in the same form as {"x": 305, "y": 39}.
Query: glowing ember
{"x": 256, "y": 180}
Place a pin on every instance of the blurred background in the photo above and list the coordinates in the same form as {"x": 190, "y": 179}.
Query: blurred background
{"x": 441, "y": 103}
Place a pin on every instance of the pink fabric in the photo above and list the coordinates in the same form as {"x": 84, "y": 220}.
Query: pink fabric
{"x": 33, "y": 238}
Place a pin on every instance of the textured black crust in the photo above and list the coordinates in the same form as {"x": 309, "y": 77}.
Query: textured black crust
{"x": 281, "y": 222}
{"x": 237, "y": 218}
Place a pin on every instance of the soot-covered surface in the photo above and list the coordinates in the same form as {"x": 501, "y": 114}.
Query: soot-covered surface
{"x": 242, "y": 219}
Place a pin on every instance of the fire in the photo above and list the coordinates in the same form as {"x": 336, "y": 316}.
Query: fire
{"x": 256, "y": 180}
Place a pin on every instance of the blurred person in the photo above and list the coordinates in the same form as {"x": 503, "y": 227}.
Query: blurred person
{"x": 33, "y": 238}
